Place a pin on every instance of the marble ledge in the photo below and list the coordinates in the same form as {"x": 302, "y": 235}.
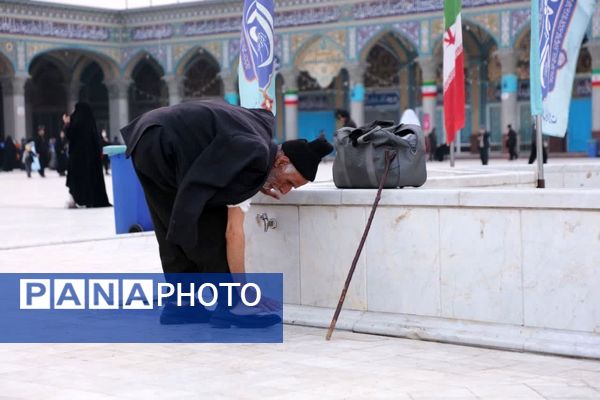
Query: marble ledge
{"x": 587, "y": 165}
{"x": 481, "y": 180}
{"x": 576, "y": 199}
{"x": 74, "y": 241}
{"x": 447, "y": 330}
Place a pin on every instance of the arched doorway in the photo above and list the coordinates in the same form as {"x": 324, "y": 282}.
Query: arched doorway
{"x": 59, "y": 79}
{"x": 392, "y": 79}
{"x": 94, "y": 92}
{"x": 323, "y": 86}
{"x": 521, "y": 48}
{"x": 579, "y": 131}
{"x": 148, "y": 91}
{"x": 202, "y": 78}
{"x": 46, "y": 94}
{"x": 317, "y": 105}
{"x": 6, "y": 74}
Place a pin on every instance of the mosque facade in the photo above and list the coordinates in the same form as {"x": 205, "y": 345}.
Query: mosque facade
{"x": 374, "y": 58}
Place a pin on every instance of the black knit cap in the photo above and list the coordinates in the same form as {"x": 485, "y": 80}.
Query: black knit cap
{"x": 306, "y": 156}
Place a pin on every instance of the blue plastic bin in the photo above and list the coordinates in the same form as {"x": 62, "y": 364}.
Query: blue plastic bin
{"x": 131, "y": 210}
{"x": 592, "y": 150}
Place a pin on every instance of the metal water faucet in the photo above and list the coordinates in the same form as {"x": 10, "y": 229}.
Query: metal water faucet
{"x": 267, "y": 222}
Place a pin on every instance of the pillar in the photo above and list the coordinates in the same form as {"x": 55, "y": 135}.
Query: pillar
{"x": 428, "y": 92}
{"x": 290, "y": 101}
{"x": 356, "y": 73}
{"x": 118, "y": 105}
{"x": 231, "y": 95}
{"x": 13, "y": 91}
{"x": 175, "y": 87}
{"x": 404, "y": 78}
{"x": 412, "y": 87}
{"x": 594, "y": 48}
{"x": 508, "y": 61}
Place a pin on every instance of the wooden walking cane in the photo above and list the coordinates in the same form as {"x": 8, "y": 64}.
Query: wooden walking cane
{"x": 389, "y": 157}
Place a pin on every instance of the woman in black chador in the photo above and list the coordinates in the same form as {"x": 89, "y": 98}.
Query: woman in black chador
{"x": 9, "y": 161}
{"x": 84, "y": 173}
{"x": 61, "y": 149}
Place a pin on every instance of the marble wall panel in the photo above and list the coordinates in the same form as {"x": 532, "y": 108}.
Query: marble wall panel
{"x": 481, "y": 265}
{"x": 276, "y": 250}
{"x": 329, "y": 237}
{"x": 561, "y": 269}
{"x": 403, "y": 265}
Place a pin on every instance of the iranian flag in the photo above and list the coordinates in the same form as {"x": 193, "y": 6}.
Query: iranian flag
{"x": 454, "y": 79}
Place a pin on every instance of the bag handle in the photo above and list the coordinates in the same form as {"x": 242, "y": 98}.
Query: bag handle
{"x": 362, "y": 139}
{"x": 394, "y": 131}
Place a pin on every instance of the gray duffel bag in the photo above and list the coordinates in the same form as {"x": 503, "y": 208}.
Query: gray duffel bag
{"x": 360, "y": 156}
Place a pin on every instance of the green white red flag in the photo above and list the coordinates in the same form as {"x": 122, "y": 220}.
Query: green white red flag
{"x": 454, "y": 78}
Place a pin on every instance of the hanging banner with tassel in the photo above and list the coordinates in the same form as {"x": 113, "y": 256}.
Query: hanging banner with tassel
{"x": 257, "y": 55}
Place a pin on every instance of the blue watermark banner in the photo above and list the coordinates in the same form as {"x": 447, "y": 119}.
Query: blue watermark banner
{"x": 141, "y": 308}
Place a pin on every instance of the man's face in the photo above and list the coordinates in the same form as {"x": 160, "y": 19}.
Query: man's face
{"x": 283, "y": 177}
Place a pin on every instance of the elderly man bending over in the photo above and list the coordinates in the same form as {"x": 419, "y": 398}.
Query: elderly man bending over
{"x": 198, "y": 162}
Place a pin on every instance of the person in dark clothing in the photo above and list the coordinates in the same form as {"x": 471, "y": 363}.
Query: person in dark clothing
{"x": 9, "y": 160}
{"x": 483, "y": 141}
{"x": 432, "y": 144}
{"x": 511, "y": 144}
{"x": 195, "y": 158}
{"x": 533, "y": 153}
{"x": 84, "y": 176}
{"x": 42, "y": 149}
{"x": 343, "y": 119}
{"x": 197, "y": 162}
{"x": 61, "y": 149}
{"x": 442, "y": 151}
{"x": 21, "y": 152}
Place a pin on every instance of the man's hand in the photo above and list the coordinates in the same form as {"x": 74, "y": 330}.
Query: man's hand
{"x": 271, "y": 193}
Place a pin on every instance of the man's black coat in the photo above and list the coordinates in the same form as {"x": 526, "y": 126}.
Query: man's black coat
{"x": 221, "y": 154}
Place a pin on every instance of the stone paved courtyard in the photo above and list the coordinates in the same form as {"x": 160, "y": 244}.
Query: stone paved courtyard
{"x": 37, "y": 234}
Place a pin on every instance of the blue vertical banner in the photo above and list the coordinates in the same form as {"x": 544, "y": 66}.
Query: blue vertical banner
{"x": 560, "y": 27}
{"x": 257, "y": 55}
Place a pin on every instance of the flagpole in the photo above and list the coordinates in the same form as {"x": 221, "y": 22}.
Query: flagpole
{"x": 537, "y": 106}
{"x": 541, "y": 182}
{"x": 452, "y": 153}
